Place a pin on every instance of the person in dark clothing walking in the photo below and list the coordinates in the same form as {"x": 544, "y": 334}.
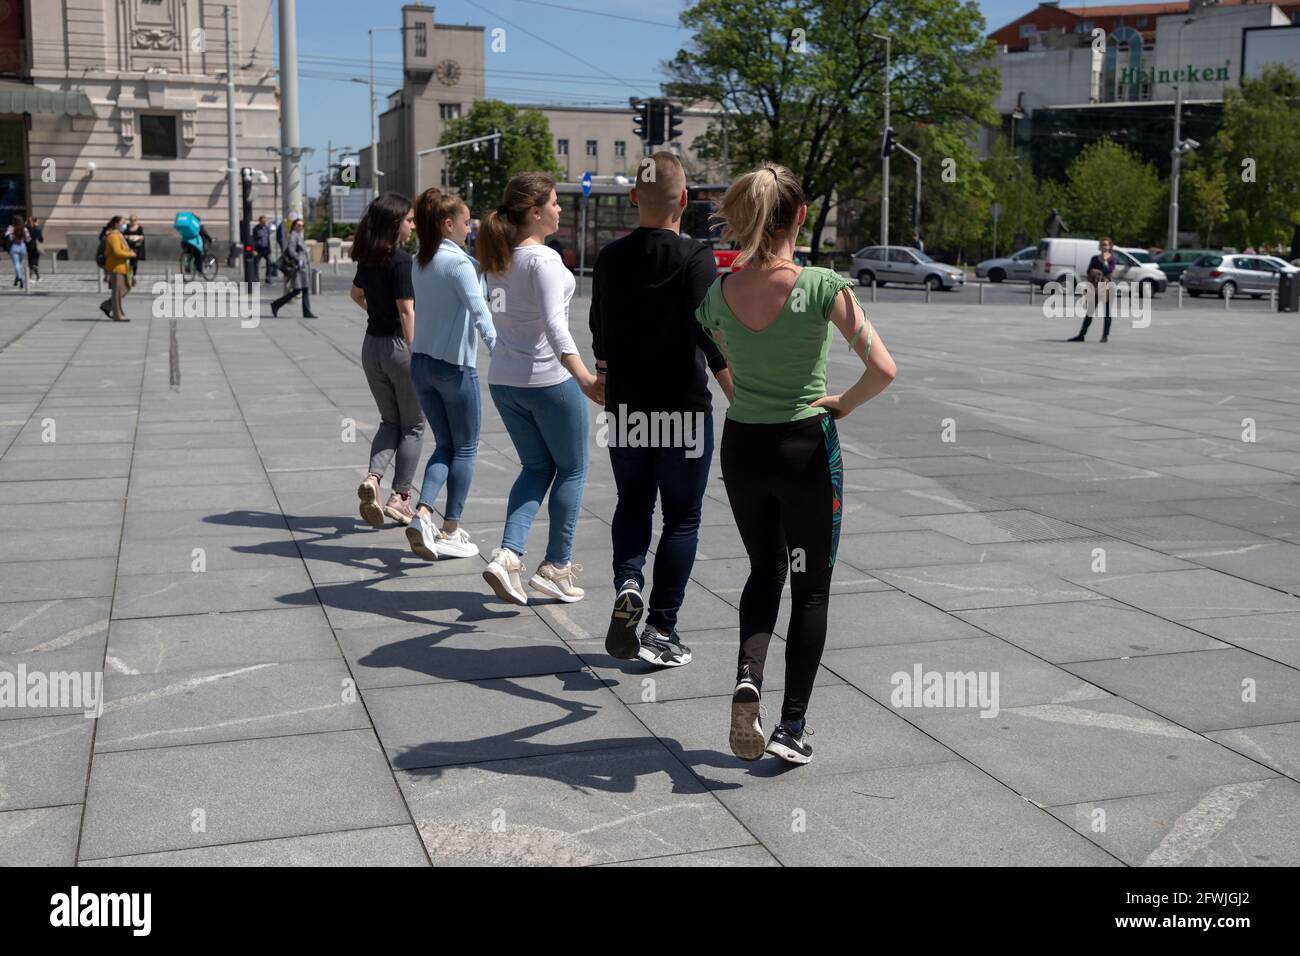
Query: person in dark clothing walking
{"x": 651, "y": 354}
{"x": 134, "y": 235}
{"x": 33, "y": 247}
{"x": 383, "y": 288}
{"x": 1100, "y": 269}
{"x": 297, "y": 280}
{"x": 262, "y": 247}
{"x": 780, "y": 450}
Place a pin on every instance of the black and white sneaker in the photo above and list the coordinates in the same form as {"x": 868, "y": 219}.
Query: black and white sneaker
{"x": 790, "y": 746}
{"x": 621, "y": 639}
{"x": 746, "y": 737}
{"x": 666, "y": 650}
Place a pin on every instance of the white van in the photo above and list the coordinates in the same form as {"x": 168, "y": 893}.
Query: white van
{"x": 1058, "y": 258}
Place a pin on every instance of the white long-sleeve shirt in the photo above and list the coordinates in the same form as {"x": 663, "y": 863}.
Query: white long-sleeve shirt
{"x": 530, "y": 308}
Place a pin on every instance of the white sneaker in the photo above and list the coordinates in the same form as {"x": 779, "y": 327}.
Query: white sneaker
{"x": 502, "y": 574}
{"x": 456, "y": 545}
{"x": 423, "y": 537}
{"x": 557, "y": 582}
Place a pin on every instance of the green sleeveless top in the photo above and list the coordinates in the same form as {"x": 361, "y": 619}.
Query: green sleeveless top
{"x": 779, "y": 370}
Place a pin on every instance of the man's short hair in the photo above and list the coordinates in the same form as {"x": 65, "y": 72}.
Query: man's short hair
{"x": 660, "y": 180}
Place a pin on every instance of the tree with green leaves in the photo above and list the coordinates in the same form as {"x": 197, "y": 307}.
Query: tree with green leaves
{"x": 1203, "y": 193}
{"x": 800, "y": 82}
{"x": 525, "y": 146}
{"x": 1256, "y": 149}
{"x": 1111, "y": 191}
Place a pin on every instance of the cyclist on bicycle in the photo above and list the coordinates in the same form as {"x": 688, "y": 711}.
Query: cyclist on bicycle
{"x": 194, "y": 238}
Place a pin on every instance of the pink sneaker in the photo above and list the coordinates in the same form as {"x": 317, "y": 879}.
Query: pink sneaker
{"x": 368, "y": 492}
{"x": 399, "y": 508}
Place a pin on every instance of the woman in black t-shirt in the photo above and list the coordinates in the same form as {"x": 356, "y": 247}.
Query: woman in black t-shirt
{"x": 383, "y": 288}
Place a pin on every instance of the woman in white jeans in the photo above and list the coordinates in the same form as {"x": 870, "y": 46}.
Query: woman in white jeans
{"x": 537, "y": 381}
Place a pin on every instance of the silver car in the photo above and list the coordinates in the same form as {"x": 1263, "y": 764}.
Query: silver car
{"x": 904, "y": 264}
{"x": 1234, "y": 274}
{"x": 1016, "y": 267}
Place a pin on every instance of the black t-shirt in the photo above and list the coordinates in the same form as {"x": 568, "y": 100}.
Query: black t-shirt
{"x": 383, "y": 286}
{"x": 645, "y": 289}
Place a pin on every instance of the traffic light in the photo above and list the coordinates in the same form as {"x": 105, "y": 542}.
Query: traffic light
{"x": 887, "y": 143}
{"x": 656, "y": 132}
{"x": 641, "y": 125}
{"x": 674, "y": 121}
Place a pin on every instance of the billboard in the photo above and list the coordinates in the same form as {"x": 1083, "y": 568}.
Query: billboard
{"x": 1261, "y": 46}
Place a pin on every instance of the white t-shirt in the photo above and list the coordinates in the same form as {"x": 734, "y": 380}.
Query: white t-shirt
{"x": 530, "y": 308}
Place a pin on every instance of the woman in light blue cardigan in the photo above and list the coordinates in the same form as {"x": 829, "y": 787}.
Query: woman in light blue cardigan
{"x": 451, "y": 314}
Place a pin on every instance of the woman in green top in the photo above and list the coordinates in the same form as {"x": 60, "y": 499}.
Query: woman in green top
{"x": 780, "y": 451}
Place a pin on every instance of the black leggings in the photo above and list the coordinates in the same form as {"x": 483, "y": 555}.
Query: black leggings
{"x": 785, "y": 484}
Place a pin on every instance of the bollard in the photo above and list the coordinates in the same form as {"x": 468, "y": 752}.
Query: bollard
{"x": 981, "y": 285}
{"x": 1272, "y": 300}
{"x": 927, "y": 293}
{"x": 1031, "y": 293}
{"x": 1227, "y": 302}
{"x": 99, "y": 279}
{"x": 27, "y": 278}
{"x": 336, "y": 267}
{"x": 315, "y": 281}
{"x": 873, "y": 290}
{"x": 1180, "y": 295}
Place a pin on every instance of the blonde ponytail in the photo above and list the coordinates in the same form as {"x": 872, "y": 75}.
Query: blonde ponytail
{"x": 759, "y": 208}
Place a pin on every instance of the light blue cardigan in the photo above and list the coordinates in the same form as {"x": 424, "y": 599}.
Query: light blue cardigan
{"x": 450, "y": 308}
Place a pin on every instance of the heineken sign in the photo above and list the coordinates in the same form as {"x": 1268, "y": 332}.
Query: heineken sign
{"x": 1134, "y": 76}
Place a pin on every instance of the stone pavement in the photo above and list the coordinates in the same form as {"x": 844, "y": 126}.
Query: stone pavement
{"x": 285, "y": 685}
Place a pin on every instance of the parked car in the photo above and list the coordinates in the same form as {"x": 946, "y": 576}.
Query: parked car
{"x": 1174, "y": 262}
{"x": 904, "y": 265}
{"x": 1060, "y": 260}
{"x": 1141, "y": 255}
{"x": 1234, "y": 274}
{"x": 1016, "y": 267}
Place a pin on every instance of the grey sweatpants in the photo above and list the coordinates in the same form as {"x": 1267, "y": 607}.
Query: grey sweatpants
{"x": 387, "y": 363}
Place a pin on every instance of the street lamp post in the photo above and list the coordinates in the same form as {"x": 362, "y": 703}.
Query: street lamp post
{"x": 1175, "y": 169}
{"x": 884, "y": 163}
{"x": 374, "y": 116}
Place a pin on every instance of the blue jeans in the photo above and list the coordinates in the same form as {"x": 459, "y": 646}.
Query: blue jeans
{"x": 548, "y": 427}
{"x": 16, "y": 253}
{"x": 679, "y": 482}
{"x": 449, "y": 397}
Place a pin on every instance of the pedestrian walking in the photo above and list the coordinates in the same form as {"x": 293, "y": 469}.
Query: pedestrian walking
{"x": 780, "y": 450}
{"x": 297, "y": 273}
{"x": 382, "y": 287}
{"x": 117, "y": 256}
{"x": 37, "y": 234}
{"x": 537, "y": 381}
{"x": 16, "y": 238}
{"x": 1101, "y": 268}
{"x": 261, "y": 242}
{"x": 654, "y": 360}
{"x": 451, "y": 315}
{"x": 134, "y": 235}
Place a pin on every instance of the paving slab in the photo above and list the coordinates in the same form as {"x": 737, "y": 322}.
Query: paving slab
{"x": 1194, "y": 594}
{"x": 1250, "y": 823}
{"x": 43, "y": 760}
{"x": 376, "y": 846}
{"x": 638, "y": 802}
{"x": 45, "y": 836}
{"x": 960, "y": 587}
{"x": 145, "y": 801}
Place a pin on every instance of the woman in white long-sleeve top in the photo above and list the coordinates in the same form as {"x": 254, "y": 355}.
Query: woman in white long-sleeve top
{"x": 537, "y": 381}
{"x": 451, "y": 314}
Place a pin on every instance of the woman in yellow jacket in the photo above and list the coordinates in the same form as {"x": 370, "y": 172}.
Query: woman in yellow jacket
{"x": 117, "y": 257}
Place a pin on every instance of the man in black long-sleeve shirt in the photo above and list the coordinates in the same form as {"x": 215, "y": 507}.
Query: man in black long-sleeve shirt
{"x": 652, "y": 357}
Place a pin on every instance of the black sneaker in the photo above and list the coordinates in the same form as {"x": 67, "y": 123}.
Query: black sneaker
{"x": 791, "y": 747}
{"x": 621, "y": 640}
{"x": 746, "y": 737}
{"x": 666, "y": 650}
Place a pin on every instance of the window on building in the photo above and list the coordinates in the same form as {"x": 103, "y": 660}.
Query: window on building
{"x": 443, "y": 179}
{"x": 1027, "y": 30}
{"x": 620, "y": 148}
{"x": 421, "y": 40}
{"x": 562, "y": 147}
{"x": 591, "y": 147}
{"x": 158, "y": 136}
{"x": 1141, "y": 22}
{"x": 449, "y": 111}
{"x": 160, "y": 184}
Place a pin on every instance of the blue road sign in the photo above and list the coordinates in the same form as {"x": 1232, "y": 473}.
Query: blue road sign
{"x": 586, "y": 184}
